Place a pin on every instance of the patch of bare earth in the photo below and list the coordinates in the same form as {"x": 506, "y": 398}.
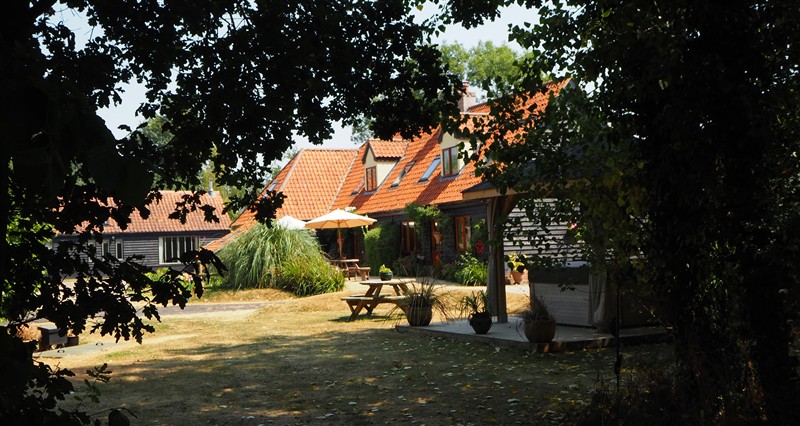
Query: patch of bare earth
{"x": 302, "y": 362}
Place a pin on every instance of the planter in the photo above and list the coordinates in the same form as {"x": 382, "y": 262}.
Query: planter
{"x": 481, "y": 322}
{"x": 540, "y": 331}
{"x": 419, "y": 316}
{"x": 385, "y": 276}
{"x": 517, "y": 276}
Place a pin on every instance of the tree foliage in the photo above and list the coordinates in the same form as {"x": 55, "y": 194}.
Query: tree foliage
{"x": 234, "y": 80}
{"x": 674, "y": 151}
{"x": 492, "y": 68}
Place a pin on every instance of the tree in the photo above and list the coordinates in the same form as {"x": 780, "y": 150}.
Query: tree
{"x": 234, "y": 79}
{"x": 156, "y": 129}
{"x": 674, "y": 151}
{"x": 492, "y": 68}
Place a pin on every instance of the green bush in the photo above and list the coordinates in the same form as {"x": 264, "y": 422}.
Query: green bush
{"x": 382, "y": 245}
{"x": 449, "y": 272}
{"x": 310, "y": 279}
{"x": 262, "y": 256}
{"x": 472, "y": 271}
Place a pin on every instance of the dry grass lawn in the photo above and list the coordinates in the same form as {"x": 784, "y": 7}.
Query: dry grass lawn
{"x": 301, "y": 362}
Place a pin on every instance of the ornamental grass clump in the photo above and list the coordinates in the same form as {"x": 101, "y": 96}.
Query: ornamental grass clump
{"x": 424, "y": 296}
{"x": 276, "y": 257}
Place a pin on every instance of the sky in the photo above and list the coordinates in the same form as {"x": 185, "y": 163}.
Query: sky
{"x": 496, "y": 32}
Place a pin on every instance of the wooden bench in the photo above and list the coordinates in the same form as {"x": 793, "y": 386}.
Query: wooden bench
{"x": 361, "y": 272}
{"x": 357, "y": 302}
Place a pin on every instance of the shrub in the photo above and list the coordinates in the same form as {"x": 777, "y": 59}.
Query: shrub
{"x": 472, "y": 271}
{"x": 382, "y": 245}
{"x": 449, "y": 272}
{"x": 260, "y": 255}
{"x": 307, "y": 279}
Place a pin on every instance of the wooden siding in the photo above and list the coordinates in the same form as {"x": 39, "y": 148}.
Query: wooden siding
{"x": 569, "y": 307}
{"x": 566, "y": 293}
{"x": 475, "y": 211}
{"x": 147, "y": 244}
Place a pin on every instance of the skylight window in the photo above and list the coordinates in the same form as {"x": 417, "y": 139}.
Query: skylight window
{"x": 404, "y": 172}
{"x": 358, "y": 188}
{"x": 431, "y": 168}
{"x": 272, "y": 186}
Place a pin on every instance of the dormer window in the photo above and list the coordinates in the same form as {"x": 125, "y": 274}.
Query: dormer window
{"x": 450, "y": 163}
{"x": 371, "y": 177}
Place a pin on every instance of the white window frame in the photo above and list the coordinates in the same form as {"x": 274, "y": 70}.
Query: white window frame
{"x": 118, "y": 248}
{"x": 162, "y": 255}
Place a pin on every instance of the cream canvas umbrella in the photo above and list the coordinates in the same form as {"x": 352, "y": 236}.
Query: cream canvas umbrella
{"x": 339, "y": 219}
{"x": 289, "y": 222}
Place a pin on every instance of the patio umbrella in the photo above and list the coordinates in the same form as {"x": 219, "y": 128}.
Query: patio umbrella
{"x": 339, "y": 219}
{"x": 289, "y": 222}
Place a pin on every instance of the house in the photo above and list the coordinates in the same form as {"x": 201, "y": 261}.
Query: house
{"x": 385, "y": 176}
{"x": 158, "y": 238}
{"x": 309, "y": 181}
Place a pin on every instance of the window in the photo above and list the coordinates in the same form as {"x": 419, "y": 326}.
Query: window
{"x": 462, "y": 233}
{"x": 403, "y": 172}
{"x": 113, "y": 247}
{"x": 430, "y": 169}
{"x": 272, "y": 186}
{"x": 450, "y": 161}
{"x": 172, "y": 248}
{"x": 408, "y": 238}
{"x": 371, "y": 177}
{"x": 358, "y": 188}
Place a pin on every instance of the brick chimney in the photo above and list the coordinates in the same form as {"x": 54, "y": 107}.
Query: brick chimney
{"x": 468, "y": 98}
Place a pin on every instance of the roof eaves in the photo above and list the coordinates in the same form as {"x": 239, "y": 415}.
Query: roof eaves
{"x": 295, "y": 161}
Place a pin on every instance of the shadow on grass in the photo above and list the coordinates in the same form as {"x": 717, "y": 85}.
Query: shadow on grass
{"x": 347, "y": 375}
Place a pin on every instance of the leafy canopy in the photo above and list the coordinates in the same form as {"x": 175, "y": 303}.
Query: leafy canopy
{"x": 673, "y": 150}
{"x": 234, "y": 81}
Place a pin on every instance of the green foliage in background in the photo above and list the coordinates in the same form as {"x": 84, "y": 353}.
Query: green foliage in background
{"x": 382, "y": 245}
{"x": 492, "y": 68}
{"x": 261, "y": 255}
{"x": 472, "y": 271}
{"x": 466, "y": 270}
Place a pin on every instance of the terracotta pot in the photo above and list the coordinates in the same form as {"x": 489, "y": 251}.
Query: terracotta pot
{"x": 540, "y": 331}
{"x": 481, "y": 322}
{"x": 418, "y": 316}
{"x": 517, "y": 276}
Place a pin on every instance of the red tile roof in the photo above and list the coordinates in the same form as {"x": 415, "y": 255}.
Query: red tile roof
{"x": 310, "y": 181}
{"x": 159, "y": 221}
{"x": 436, "y": 190}
{"x": 421, "y": 151}
{"x": 319, "y": 180}
{"x": 387, "y": 149}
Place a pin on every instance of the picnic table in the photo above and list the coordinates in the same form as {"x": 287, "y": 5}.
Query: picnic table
{"x": 350, "y": 268}
{"x": 373, "y": 297}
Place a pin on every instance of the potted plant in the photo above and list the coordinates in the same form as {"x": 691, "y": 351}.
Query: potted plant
{"x": 479, "y": 317}
{"x": 538, "y": 323}
{"x": 419, "y": 303}
{"x": 385, "y": 273}
{"x": 517, "y": 265}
